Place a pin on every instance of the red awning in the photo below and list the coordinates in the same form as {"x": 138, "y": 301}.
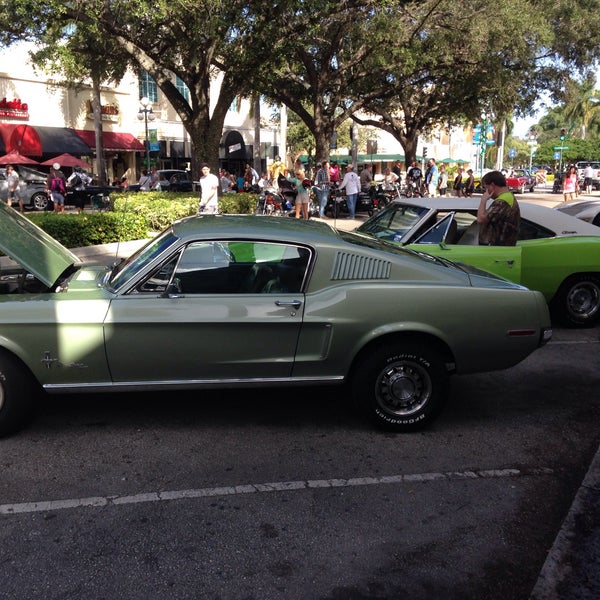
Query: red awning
{"x": 21, "y": 138}
{"x": 112, "y": 141}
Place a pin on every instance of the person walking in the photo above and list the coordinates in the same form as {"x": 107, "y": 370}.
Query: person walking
{"x": 431, "y": 178}
{"x": 322, "y": 183}
{"x": 443, "y": 181}
{"x": 470, "y": 184}
{"x": 352, "y": 184}
{"x": 209, "y": 191}
{"x": 56, "y": 187}
{"x": 458, "y": 183}
{"x": 78, "y": 181}
{"x": 570, "y": 184}
{"x": 14, "y": 192}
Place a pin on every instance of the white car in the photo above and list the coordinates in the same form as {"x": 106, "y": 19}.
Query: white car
{"x": 586, "y": 210}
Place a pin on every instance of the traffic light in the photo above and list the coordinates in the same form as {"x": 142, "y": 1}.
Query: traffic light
{"x": 424, "y": 151}
{"x": 562, "y": 134}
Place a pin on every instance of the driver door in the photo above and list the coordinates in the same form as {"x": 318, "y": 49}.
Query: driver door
{"x": 504, "y": 261}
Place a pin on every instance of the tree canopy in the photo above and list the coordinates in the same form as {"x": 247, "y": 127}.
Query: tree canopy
{"x": 409, "y": 66}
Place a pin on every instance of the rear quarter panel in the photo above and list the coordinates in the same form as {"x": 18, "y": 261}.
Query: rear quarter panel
{"x": 546, "y": 263}
{"x": 472, "y": 322}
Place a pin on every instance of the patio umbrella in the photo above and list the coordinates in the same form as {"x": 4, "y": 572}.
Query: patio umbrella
{"x": 14, "y": 158}
{"x": 67, "y": 160}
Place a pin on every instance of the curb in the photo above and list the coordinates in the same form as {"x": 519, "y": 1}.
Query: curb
{"x": 572, "y": 567}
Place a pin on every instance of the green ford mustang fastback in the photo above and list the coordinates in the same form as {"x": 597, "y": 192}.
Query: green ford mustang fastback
{"x": 238, "y": 301}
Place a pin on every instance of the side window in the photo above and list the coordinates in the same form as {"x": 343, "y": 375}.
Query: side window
{"x": 532, "y": 231}
{"x": 241, "y": 267}
{"x": 159, "y": 280}
{"x": 204, "y": 268}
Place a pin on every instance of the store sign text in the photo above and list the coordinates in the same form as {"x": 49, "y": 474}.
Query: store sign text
{"x": 14, "y": 109}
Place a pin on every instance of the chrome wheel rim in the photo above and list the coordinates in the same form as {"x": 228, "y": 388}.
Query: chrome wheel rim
{"x": 403, "y": 388}
{"x": 583, "y": 300}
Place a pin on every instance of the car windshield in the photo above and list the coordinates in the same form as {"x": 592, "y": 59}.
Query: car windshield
{"x": 393, "y": 223}
{"x": 125, "y": 270}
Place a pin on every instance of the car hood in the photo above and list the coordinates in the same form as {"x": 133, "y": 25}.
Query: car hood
{"x": 31, "y": 247}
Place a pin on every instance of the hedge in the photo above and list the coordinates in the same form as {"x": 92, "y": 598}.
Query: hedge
{"x": 132, "y": 216}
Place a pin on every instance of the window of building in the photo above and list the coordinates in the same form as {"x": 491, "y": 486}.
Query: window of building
{"x": 182, "y": 88}
{"x": 148, "y": 87}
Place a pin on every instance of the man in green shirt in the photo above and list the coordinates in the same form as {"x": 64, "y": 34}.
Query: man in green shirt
{"x": 498, "y": 222}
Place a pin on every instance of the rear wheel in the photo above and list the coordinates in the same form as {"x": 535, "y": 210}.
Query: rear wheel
{"x": 40, "y": 201}
{"x": 577, "y": 302}
{"x": 401, "y": 387}
{"x": 17, "y": 395}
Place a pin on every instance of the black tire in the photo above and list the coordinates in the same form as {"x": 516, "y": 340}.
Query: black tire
{"x": 401, "y": 387}
{"x": 18, "y": 394}
{"x": 577, "y": 302}
{"x": 40, "y": 201}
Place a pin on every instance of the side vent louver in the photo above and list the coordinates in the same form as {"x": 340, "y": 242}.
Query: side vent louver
{"x": 351, "y": 266}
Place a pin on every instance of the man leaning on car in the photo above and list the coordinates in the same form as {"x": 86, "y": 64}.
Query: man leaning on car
{"x": 498, "y": 223}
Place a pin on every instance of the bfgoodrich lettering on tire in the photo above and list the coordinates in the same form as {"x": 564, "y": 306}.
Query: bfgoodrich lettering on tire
{"x": 17, "y": 395}
{"x": 401, "y": 388}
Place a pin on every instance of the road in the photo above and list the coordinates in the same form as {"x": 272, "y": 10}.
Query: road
{"x": 289, "y": 494}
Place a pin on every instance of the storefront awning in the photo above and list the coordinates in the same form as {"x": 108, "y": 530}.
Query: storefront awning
{"x": 34, "y": 140}
{"x": 112, "y": 141}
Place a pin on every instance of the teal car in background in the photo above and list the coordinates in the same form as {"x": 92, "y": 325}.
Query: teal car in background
{"x": 557, "y": 254}
{"x": 247, "y": 301}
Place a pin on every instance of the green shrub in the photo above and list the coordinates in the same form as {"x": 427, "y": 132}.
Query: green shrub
{"x": 89, "y": 229}
{"x": 132, "y": 216}
{"x": 159, "y": 209}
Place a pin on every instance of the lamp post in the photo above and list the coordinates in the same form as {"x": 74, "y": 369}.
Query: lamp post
{"x": 532, "y": 146}
{"x": 146, "y": 113}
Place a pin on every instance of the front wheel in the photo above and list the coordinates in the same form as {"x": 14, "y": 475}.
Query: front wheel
{"x": 401, "y": 387}
{"x": 577, "y": 302}
{"x": 17, "y": 395}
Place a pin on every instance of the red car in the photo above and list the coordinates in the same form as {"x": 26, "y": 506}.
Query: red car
{"x": 519, "y": 180}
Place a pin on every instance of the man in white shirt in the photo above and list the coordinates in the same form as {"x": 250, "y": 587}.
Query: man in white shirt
{"x": 14, "y": 192}
{"x": 351, "y": 183}
{"x": 209, "y": 191}
{"x": 588, "y": 176}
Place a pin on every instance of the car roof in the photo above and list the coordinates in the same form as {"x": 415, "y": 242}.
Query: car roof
{"x": 269, "y": 228}
{"x": 557, "y": 221}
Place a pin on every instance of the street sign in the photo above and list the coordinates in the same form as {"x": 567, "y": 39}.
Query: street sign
{"x": 557, "y": 156}
{"x": 561, "y": 147}
{"x": 512, "y": 153}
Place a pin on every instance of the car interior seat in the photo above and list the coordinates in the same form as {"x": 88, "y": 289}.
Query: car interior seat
{"x": 257, "y": 278}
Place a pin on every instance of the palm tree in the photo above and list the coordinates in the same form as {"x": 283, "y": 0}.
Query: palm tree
{"x": 582, "y": 104}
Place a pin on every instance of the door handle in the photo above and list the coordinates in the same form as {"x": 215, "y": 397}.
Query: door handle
{"x": 293, "y": 303}
{"x": 509, "y": 261}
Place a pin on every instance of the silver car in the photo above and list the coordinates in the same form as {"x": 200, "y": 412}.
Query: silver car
{"x": 32, "y": 187}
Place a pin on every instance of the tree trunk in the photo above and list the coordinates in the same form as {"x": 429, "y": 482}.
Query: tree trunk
{"x": 97, "y": 108}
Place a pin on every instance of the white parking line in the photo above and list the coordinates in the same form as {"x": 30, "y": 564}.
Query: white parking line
{"x": 260, "y": 488}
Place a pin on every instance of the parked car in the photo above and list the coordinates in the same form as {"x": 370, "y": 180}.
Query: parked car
{"x": 32, "y": 187}
{"x": 586, "y": 210}
{"x": 173, "y": 180}
{"x": 519, "y": 180}
{"x": 238, "y": 301}
{"x": 596, "y": 176}
{"x": 556, "y": 254}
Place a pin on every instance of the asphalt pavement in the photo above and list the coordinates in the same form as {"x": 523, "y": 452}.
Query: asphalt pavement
{"x": 572, "y": 567}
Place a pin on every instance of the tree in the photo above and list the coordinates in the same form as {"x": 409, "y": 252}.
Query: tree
{"x": 314, "y": 74}
{"x": 200, "y": 42}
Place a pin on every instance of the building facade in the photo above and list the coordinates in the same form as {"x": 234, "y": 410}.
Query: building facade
{"x": 42, "y": 117}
